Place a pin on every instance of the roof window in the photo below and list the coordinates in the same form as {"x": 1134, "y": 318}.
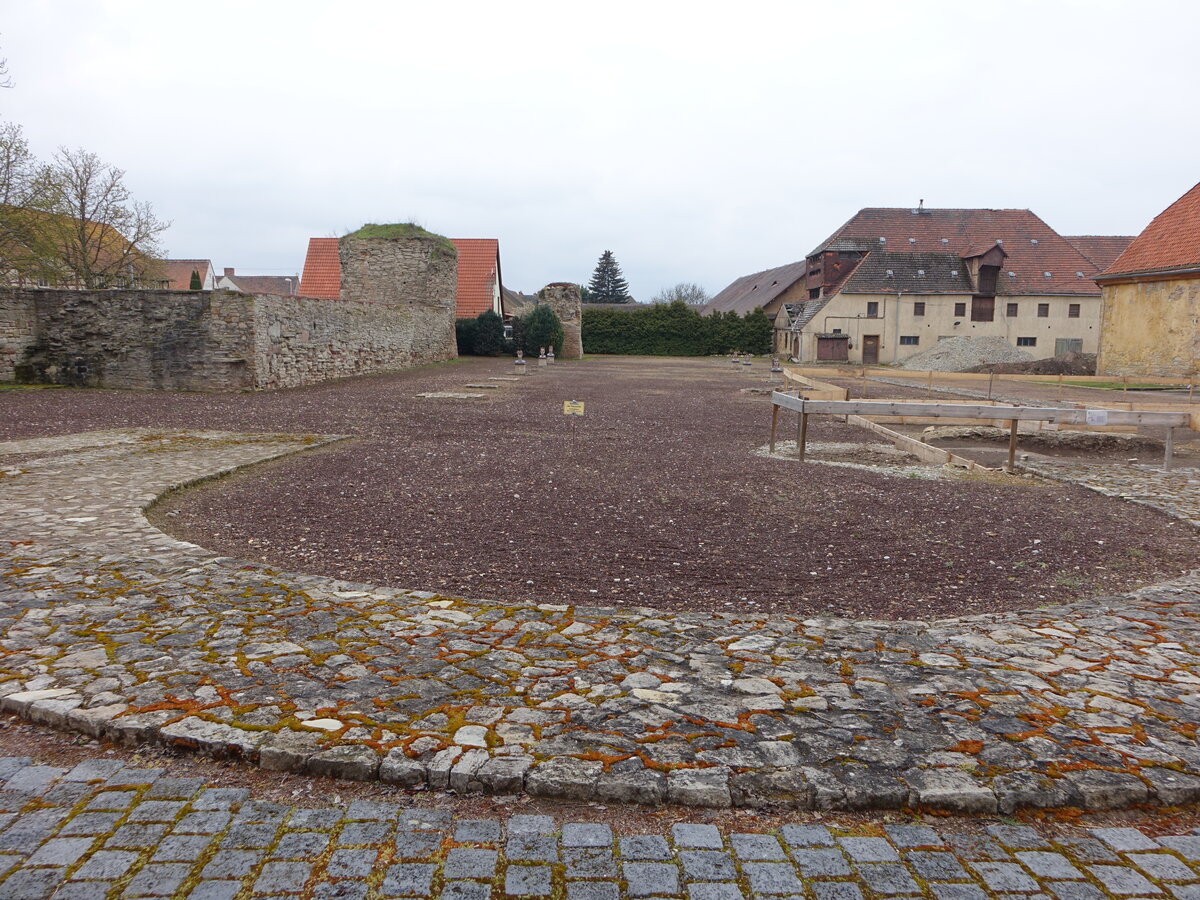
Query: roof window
{"x": 1012, "y": 274}
{"x": 920, "y": 271}
{"x": 1078, "y": 274}
{"x": 945, "y": 240}
{"x": 912, "y": 240}
{"x": 883, "y": 240}
{"x": 889, "y": 273}
{"x": 1047, "y": 275}
{"x": 1033, "y": 241}
{"x": 998, "y": 241}
{"x": 954, "y": 271}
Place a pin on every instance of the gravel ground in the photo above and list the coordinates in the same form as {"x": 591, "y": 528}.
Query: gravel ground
{"x": 654, "y": 498}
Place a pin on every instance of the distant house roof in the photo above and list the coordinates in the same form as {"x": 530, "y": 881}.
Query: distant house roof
{"x": 1171, "y": 241}
{"x": 285, "y": 285}
{"x": 478, "y": 275}
{"x": 884, "y": 272}
{"x": 1032, "y": 247}
{"x": 752, "y": 291}
{"x": 322, "y": 276}
{"x": 178, "y": 272}
{"x": 1103, "y": 250}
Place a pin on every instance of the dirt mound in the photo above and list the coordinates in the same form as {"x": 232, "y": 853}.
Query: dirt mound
{"x": 1069, "y": 363}
{"x": 963, "y": 354}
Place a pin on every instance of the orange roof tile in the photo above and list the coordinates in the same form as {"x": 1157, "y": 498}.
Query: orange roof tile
{"x": 178, "y": 272}
{"x": 322, "y": 276}
{"x": 478, "y": 275}
{"x": 1171, "y": 241}
{"x": 1103, "y": 250}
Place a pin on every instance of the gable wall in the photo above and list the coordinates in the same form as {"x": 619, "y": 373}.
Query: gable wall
{"x": 1150, "y": 328}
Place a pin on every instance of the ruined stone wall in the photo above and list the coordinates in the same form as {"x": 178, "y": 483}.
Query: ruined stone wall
{"x": 564, "y": 299}
{"x": 417, "y": 277}
{"x": 150, "y": 340}
{"x": 17, "y": 330}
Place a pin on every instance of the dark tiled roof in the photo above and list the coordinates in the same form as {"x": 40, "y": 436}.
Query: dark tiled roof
{"x": 1032, "y": 246}
{"x": 322, "y": 277}
{"x": 752, "y": 291}
{"x": 1171, "y": 241}
{"x": 478, "y": 275}
{"x": 1102, "y": 250}
{"x": 912, "y": 273}
{"x": 266, "y": 284}
{"x": 178, "y": 272}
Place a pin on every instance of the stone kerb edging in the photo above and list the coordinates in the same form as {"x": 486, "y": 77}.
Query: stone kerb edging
{"x": 111, "y": 628}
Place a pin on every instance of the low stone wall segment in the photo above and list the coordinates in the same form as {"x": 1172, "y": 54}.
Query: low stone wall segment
{"x": 112, "y": 628}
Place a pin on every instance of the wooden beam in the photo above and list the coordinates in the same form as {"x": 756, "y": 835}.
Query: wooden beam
{"x": 774, "y": 424}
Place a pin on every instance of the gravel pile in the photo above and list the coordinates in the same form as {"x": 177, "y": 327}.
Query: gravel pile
{"x": 958, "y": 354}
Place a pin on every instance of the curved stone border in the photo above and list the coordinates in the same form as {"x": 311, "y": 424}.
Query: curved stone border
{"x": 112, "y": 628}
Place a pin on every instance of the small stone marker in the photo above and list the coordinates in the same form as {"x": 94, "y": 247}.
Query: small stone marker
{"x": 572, "y": 407}
{"x": 550, "y": 356}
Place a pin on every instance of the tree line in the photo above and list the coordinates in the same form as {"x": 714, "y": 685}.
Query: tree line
{"x": 674, "y": 329}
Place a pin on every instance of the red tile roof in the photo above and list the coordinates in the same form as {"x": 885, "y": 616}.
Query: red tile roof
{"x": 478, "y": 272}
{"x": 1103, "y": 250}
{"x": 1171, "y": 241}
{"x": 478, "y": 275}
{"x": 322, "y": 276}
{"x": 178, "y": 272}
{"x": 752, "y": 291}
{"x": 1033, "y": 248}
{"x": 284, "y": 285}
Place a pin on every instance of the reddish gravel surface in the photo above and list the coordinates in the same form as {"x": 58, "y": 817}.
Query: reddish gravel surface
{"x": 654, "y": 498}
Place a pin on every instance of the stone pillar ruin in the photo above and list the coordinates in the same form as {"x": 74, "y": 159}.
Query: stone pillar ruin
{"x": 417, "y": 275}
{"x": 563, "y": 298}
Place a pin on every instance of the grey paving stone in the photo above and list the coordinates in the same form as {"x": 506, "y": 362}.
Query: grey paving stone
{"x": 156, "y": 811}
{"x": 910, "y": 836}
{"x": 105, "y": 864}
{"x": 168, "y": 788}
{"x": 821, "y": 862}
{"x": 34, "y": 779}
{"x": 935, "y": 865}
{"x": 215, "y": 890}
{"x": 531, "y": 848}
{"x": 1086, "y": 849}
{"x": 530, "y": 825}
{"x": 651, "y": 879}
{"x": 408, "y": 880}
{"x": 1162, "y": 866}
{"x": 466, "y": 890}
{"x": 301, "y": 845}
{"x": 32, "y": 884}
{"x": 352, "y": 863}
{"x": 231, "y": 864}
{"x": 757, "y": 847}
{"x": 132, "y": 775}
{"x": 1049, "y": 865}
{"x": 66, "y": 794}
{"x": 1122, "y": 881}
{"x": 1018, "y": 837}
{"x": 157, "y": 880}
{"x": 464, "y": 862}
{"x": 973, "y": 847}
{"x": 477, "y": 831}
{"x": 340, "y": 890}
{"x": 314, "y": 819}
{"x": 836, "y": 890}
{"x": 707, "y": 865}
{"x": 372, "y": 811}
{"x": 424, "y": 819}
{"x": 527, "y": 881}
{"x": 282, "y": 877}
{"x": 181, "y": 847}
{"x": 645, "y": 847}
{"x": 220, "y": 798}
{"x": 1075, "y": 890}
{"x": 359, "y": 834}
{"x": 594, "y": 890}
{"x": 888, "y": 879}
{"x": 261, "y": 812}
{"x": 136, "y": 837}
{"x": 772, "y": 878}
{"x": 111, "y": 800}
{"x": 589, "y": 862}
{"x": 94, "y": 770}
{"x": 203, "y": 822}
{"x": 1001, "y": 877}
{"x": 61, "y": 852}
{"x": 807, "y": 836}
{"x": 699, "y": 837}
{"x": 417, "y": 844}
{"x": 1184, "y": 891}
{"x": 82, "y": 890}
{"x": 586, "y": 835}
{"x": 1124, "y": 840}
{"x": 1187, "y": 846}
{"x": 240, "y": 837}
{"x": 91, "y": 823}
{"x": 869, "y": 849}
{"x": 720, "y": 891}
{"x": 958, "y": 892}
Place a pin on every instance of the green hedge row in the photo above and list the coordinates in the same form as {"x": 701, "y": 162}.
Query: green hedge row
{"x": 674, "y": 329}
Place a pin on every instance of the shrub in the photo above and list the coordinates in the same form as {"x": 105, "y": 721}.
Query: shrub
{"x": 489, "y": 334}
{"x": 674, "y": 329}
{"x": 542, "y": 329}
{"x": 464, "y": 335}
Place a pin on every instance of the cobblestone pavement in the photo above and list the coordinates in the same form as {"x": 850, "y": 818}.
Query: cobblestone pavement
{"x": 101, "y": 831}
{"x": 109, "y": 627}
{"x": 1176, "y": 491}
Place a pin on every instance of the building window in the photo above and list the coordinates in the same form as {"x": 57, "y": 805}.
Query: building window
{"x": 919, "y": 308}
{"x": 814, "y": 294}
{"x": 1012, "y": 311}
{"x": 1026, "y": 342}
{"x": 1073, "y": 311}
{"x": 983, "y": 309}
{"x": 1043, "y": 310}
{"x": 873, "y": 309}
{"x": 960, "y": 309}
{"x": 909, "y": 340}
{"x": 1064, "y": 345}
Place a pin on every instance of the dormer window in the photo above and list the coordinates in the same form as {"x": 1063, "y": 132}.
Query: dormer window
{"x": 1033, "y": 241}
{"x": 889, "y": 273}
{"x": 1078, "y": 274}
{"x": 920, "y": 271}
{"x": 912, "y": 240}
{"x": 883, "y": 240}
{"x": 1047, "y": 275}
{"x": 1012, "y": 274}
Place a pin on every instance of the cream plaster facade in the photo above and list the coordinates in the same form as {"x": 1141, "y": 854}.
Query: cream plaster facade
{"x": 1151, "y": 327}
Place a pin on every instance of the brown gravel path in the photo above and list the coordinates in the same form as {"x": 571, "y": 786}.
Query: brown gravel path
{"x": 655, "y": 499}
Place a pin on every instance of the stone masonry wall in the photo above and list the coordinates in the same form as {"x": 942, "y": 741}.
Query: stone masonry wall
{"x": 1151, "y": 328}
{"x": 417, "y": 277}
{"x": 17, "y": 330}
{"x": 564, "y": 299}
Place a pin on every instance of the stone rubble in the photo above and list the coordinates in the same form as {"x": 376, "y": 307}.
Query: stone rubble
{"x": 114, "y": 629}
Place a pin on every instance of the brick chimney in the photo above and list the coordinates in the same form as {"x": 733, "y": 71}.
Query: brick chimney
{"x": 228, "y": 272}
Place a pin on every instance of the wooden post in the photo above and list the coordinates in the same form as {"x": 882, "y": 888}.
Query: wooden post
{"x": 991, "y": 378}
{"x": 803, "y": 440}
{"x": 1012, "y": 443}
{"x": 1170, "y": 448}
{"x": 931, "y": 381}
{"x": 1125, "y": 385}
{"x": 1060, "y": 389}
{"x": 774, "y": 424}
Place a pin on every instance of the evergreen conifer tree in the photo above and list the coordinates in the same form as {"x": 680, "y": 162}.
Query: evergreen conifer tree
{"x": 194, "y": 284}
{"x": 608, "y": 285}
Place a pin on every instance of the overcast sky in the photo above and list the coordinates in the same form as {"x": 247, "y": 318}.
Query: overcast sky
{"x": 697, "y": 146}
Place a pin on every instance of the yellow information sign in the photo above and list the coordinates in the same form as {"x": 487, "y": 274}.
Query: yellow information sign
{"x": 572, "y": 407}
